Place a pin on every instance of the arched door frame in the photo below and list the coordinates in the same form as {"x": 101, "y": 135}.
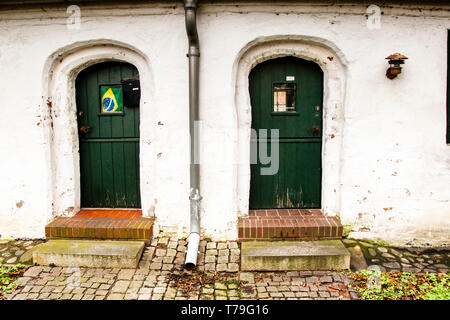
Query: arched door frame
{"x": 59, "y": 113}
{"x": 332, "y": 62}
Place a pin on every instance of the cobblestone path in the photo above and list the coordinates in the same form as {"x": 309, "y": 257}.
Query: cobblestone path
{"x": 160, "y": 275}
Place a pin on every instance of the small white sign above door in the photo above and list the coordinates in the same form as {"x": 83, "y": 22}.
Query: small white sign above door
{"x": 290, "y": 78}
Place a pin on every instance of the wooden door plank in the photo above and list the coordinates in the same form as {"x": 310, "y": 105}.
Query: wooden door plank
{"x": 120, "y": 192}
{"x": 105, "y": 121}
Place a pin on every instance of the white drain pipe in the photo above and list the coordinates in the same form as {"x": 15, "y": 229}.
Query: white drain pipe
{"x": 190, "y": 9}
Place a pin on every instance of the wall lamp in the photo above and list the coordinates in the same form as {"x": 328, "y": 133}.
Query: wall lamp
{"x": 395, "y": 62}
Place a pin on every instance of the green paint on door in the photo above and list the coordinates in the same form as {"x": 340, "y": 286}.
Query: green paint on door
{"x": 109, "y": 141}
{"x": 287, "y": 94}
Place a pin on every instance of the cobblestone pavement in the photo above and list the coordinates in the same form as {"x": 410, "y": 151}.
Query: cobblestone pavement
{"x": 394, "y": 259}
{"x": 160, "y": 275}
{"x": 11, "y": 252}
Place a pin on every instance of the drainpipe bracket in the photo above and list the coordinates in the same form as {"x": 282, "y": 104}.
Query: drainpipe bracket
{"x": 195, "y": 195}
{"x": 190, "y": 4}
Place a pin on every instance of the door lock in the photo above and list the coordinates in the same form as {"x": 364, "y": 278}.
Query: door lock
{"x": 85, "y": 129}
{"x": 314, "y": 129}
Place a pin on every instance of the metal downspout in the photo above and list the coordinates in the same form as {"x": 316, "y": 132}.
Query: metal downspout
{"x": 190, "y": 8}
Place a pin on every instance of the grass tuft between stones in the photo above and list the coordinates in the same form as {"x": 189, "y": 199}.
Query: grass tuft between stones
{"x": 377, "y": 285}
{"x": 8, "y": 278}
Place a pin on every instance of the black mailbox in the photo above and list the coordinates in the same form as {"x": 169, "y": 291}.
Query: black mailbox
{"x": 131, "y": 92}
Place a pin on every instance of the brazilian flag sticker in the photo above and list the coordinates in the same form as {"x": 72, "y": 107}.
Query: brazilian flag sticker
{"x": 111, "y": 99}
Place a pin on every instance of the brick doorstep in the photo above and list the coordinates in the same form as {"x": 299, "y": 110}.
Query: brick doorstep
{"x": 289, "y": 224}
{"x": 100, "y": 228}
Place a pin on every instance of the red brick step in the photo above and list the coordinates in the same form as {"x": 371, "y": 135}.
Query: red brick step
{"x": 289, "y": 224}
{"x": 102, "y": 225}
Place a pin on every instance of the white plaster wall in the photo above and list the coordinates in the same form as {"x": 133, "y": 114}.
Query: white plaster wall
{"x": 394, "y": 164}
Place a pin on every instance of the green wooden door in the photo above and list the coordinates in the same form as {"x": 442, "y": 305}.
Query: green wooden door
{"x": 287, "y": 94}
{"x": 108, "y": 138}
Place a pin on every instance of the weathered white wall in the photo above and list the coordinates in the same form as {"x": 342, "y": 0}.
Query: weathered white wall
{"x": 392, "y": 163}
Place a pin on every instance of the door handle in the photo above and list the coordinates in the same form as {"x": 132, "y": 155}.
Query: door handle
{"x": 85, "y": 129}
{"x": 314, "y": 129}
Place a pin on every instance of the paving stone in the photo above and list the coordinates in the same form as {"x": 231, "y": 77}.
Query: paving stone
{"x": 247, "y": 277}
{"x": 211, "y": 245}
{"x": 131, "y": 296}
{"x": 24, "y": 280}
{"x": 232, "y": 267}
{"x": 120, "y": 286}
{"x": 404, "y": 260}
{"x": 211, "y": 252}
{"x": 43, "y": 296}
{"x": 77, "y": 296}
{"x": 350, "y": 241}
{"x": 66, "y": 296}
{"x": 387, "y": 255}
{"x": 289, "y": 294}
{"x": 276, "y": 294}
{"x": 372, "y": 252}
{"x": 32, "y": 272}
{"x": 32, "y": 296}
{"x": 222, "y": 293}
{"x": 210, "y": 266}
{"x": 220, "y": 286}
{"x": 301, "y": 294}
{"x": 163, "y": 240}
{"x": 234, "y": 258}
{"x": 326, "y": 279}
{"x": 221, "y": 267}
{"x": 126, "y": 274}
{"x": 167, "y": 266}
{"x": 159, "y": 290}
{"x": 222, "y": 245}
{"x": 156, "y": 266}
{"x": 233, "y": 285}
{"x": 115, "y": 296}
{"x": 160, "y": 252}
{"x": 222, "y": 259}
{"x": 171, "y": 252}
{"x": 392, "y": 265}
{"x": 172, "y": 245}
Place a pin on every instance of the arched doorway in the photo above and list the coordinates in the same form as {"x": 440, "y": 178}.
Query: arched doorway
{"x": 287, "y": 95}
{"x": 108, "y": 130}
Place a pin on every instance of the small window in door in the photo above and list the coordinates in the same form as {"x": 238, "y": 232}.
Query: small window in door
{"x": 284, "y": 95}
